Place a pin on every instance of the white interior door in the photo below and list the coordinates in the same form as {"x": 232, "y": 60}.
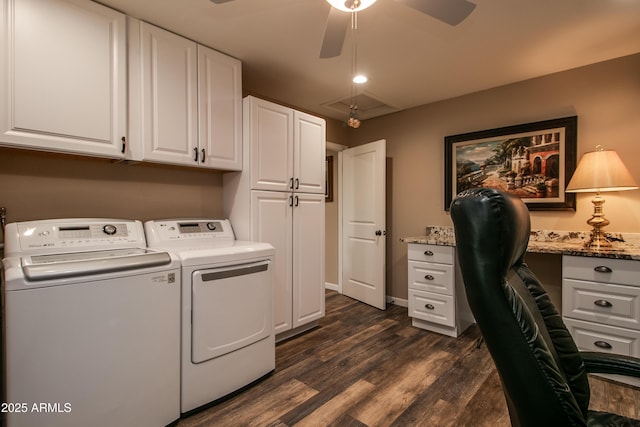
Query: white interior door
{"x": 363, "y": 223}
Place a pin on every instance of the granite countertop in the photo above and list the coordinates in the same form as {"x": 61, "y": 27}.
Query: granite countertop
{"x": 626, "y": 245}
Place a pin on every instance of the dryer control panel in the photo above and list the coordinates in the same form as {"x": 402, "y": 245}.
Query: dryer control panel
{"x": 212, "y": 230}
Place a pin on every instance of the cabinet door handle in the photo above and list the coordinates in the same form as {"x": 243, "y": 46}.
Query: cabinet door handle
{"x": 291, "y": 183}
{"x": 603, "y": 344}
{"x": 291, "y": 201}
{"x": 202, "y": 159}
{"x": 428, "y": 253}
{"x": 124, "y": 143}
{"x": 195, "y": 154}
{"x": 603, "y": 303}
{"x": 429, "y": 307}
{"x": 297, "y": 201}
{"x": 297, "y": 183}
{"x": 603, "y": 269}
{"x": 428, "y": 277}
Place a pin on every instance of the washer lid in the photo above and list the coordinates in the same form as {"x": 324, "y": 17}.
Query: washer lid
{"x": 59, "y": 266}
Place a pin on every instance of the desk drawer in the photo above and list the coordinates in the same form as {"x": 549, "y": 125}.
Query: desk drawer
{"x": 604, "y": 270}
{"x": 615, "y": 305}
{"x": 430, "y": 253}
{"x": 432, "y": 307}
{"x": 608, "y": 339}
{"x": 431, "y": 277}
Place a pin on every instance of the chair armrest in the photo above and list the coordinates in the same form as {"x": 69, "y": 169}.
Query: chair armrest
{"x": 607, "y": 363}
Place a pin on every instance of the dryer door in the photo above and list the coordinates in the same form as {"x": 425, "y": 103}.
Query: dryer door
{"x": 231, "y": 309}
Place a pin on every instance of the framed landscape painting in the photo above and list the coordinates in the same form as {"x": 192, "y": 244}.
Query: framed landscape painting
{"x": 533, "y": 161}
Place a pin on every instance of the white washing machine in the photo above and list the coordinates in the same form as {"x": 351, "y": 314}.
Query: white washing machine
{"x": 228, "y": 340}
{"x": 91, "y": 326}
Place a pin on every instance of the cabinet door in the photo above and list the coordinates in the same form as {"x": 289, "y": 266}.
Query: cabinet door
{"x": 219, "y": 110}
{"x": 309, "y": 138}
{"x": 164, "y": 98}
{"x": 308, "y": 258}
{"x": 271, "y": 223}
{"x": 63, "y": 76}
{"x": 270, "y": 133}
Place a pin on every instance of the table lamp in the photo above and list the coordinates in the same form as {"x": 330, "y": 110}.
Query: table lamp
{"x": 599, "y": 171}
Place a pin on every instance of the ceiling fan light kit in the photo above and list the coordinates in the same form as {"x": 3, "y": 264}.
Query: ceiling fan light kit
{"x": 351, "y": 5}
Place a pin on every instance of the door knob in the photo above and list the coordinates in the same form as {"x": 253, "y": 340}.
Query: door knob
{"x": 381, "y": 233}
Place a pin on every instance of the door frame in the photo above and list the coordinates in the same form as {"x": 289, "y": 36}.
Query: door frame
{"x": 337, "y": 197}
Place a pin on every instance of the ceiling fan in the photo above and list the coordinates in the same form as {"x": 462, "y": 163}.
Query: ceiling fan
{"x": 451, "y": 12}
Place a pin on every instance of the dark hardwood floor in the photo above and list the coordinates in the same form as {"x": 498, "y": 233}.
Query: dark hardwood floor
{"x": 367, "y": 367}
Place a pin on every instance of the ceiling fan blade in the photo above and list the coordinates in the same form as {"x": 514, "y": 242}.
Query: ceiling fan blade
{"x": 337, "y": 24}
{"x": 220, "y": 1}
{"x": 451, "y": 12}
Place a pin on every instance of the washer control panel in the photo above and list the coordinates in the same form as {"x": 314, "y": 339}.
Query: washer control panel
{"x": 197, "y": 229}
{"x": 70, "y": 235}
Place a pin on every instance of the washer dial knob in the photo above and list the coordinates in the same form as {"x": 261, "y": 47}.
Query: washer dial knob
{"x": 109, "y": 229}
{"x": 211, "y": 226}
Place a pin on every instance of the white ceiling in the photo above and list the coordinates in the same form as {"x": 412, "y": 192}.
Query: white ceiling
{"x": 411, "y": 59}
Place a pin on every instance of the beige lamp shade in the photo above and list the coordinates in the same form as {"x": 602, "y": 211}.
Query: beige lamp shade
{"x": 601, "y": 170}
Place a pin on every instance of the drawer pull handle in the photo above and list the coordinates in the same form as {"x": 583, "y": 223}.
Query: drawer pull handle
{"x": 603, "y": 269}
{"x": 603, "y": 303}
{"x": 428, "y": 253}
{"x": 429, "y": 307}
{"x": 603, "y": 344}
{"x": 428, "y": 277}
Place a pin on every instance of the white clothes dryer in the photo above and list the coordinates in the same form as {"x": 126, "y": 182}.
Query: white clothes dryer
{"x": 91, "y": 326}
{"x": 228, "y": 339}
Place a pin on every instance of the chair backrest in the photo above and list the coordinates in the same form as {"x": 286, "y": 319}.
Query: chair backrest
{"x": 542, "y": 373}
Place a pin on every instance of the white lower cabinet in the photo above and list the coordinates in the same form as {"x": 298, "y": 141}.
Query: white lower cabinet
{"x": 437, "y": 301}
{"x": 294, "y": 224}
{"x": 601, "y": 305}
{"x": 63, "y": 77}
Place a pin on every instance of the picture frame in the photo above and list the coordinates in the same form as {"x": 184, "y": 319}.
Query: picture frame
{"x": 533, "y": 161}
{"x": 328, "y": 179}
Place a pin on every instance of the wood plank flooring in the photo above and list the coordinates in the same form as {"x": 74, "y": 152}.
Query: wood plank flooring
{"x": 367, "y": 367}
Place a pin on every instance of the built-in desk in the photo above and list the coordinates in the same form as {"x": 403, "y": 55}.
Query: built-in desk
{"x": 627, "y": 245}
{"x": 600, "y": 301}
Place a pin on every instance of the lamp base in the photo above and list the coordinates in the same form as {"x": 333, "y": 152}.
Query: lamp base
{"x": 598, "y": 241}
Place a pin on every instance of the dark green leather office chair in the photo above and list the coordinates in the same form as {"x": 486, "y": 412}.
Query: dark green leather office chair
{"x": 544, "y": 376}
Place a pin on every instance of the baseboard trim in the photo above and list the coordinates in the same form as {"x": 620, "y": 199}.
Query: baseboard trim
{"x": 330, "y": 286}
{"x": 397, "y": 301}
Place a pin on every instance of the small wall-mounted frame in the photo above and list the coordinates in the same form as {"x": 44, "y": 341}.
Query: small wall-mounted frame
{"x": 533, "y": 161}
{"x": 328, "y": 179}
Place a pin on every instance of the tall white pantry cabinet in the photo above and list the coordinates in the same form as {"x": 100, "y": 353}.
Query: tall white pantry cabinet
{"x": 279, "y": 199}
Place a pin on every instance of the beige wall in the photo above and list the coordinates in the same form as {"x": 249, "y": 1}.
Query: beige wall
{"x": 36, "y": 185}
{"x": 605, "y": 97}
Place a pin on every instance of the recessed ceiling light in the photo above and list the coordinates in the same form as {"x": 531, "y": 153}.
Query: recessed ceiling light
{"x": 360, "y": 78}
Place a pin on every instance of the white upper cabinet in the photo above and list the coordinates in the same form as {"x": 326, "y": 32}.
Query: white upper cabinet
{"x": 163, "y": 79}
{"x": 219, "y": 110}
{"x": 269, "y": 128}
{"x": 287, "y": 148}
{"x": 309, "y": 153}
{"x": 185, "y": 101}
{"x": 63, "y": 76}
